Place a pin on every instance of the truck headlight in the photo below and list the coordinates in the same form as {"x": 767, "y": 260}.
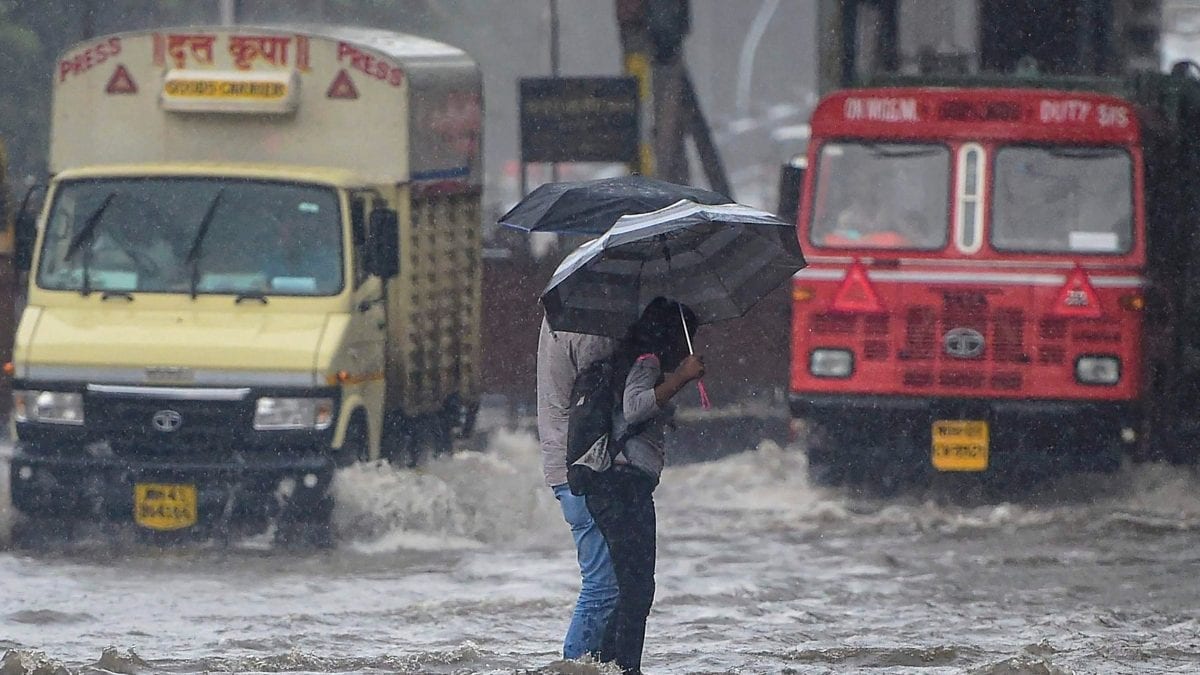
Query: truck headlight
{"x": 52, "y": 407}
{"x": 831, "y": 363}
{"x": 1104, "y": 370}
{"x": 274, "y": 414}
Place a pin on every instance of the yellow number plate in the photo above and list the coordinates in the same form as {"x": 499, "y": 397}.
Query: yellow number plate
{"x": 164, "y": 506}
{"x": 960, "y": 445}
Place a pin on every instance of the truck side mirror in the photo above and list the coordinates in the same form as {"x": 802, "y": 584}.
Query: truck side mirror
{"x": 26, "y": 227}
{"x": 791, "y": 184}
{"x": 383, "y": 243}
{"x": 358, "y": 221}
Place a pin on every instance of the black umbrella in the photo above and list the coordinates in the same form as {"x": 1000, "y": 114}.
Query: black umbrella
{"x": 718, "y": 260}
{"x": 592, "y": 206}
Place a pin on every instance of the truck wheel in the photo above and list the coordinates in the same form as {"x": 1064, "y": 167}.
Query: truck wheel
{"x": 441, "y": 433}
{"x": 306, "y": 526}
{"x": 356, "y": 445}
{"x": 825, "y": 468}
{"x": 41, "y": 532}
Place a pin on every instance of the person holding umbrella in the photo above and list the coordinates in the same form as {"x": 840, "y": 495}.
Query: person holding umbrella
{"x": 658, "y": 247}
{"x": 654, "y": 362}
{"x": 583, "y": 208}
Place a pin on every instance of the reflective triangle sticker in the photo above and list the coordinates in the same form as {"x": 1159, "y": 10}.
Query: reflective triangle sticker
{"x": 1077, "y": 298}
{"x": 121, "y": 82}
{"x": 856, "y": 293}
{"x": 342, "y": 87}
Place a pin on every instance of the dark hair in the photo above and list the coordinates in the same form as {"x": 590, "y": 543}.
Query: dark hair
{"x": 659, "y": 331}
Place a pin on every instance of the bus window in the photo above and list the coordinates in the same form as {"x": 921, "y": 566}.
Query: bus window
{"x": 970, "y": 202}
{"x": 881, "y": 195}
{"x": 1052, "y": 200}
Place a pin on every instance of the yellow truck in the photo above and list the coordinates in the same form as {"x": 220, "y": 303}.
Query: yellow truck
{"x": 258, "y": 259}
{"x": 8, "y": 279}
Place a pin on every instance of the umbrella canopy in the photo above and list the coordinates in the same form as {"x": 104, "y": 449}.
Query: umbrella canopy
{"x": 718, "y": 260}
{"x": 592, "y": 206}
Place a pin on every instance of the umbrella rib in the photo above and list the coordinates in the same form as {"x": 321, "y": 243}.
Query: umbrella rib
{"x": 717, "y": 275}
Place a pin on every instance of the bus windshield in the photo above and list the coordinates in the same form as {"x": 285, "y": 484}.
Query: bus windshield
{"x": 881, "y": 195}
{"x": 193, "y": 235}
{"x": 1060, "y": 199}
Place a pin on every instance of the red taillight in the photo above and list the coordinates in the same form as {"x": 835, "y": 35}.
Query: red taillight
{"x": 1077, "y": 298}
{"x": 856, "y": 293}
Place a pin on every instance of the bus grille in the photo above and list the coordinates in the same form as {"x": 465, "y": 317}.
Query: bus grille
{"x": 1005, "y": 328}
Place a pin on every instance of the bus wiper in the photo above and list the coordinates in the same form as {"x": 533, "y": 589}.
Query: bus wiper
{"x": 1085, "y": 153}
{"x": 193, "y": 256}
{"x": 900, "y": 151}
{"x": 85, "y": 234}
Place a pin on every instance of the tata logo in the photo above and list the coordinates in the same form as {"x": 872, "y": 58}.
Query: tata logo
{"x": 169, "y": 374}
{"x": 963, "y": 343}
{"x": 167, "y": 421}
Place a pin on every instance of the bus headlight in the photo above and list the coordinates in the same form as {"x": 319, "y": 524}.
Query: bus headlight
{"x": 51, "y": 407}
{"x": 1105, "y": 370}
{"x": 276, "y": 414}
{"x": 831, "y": 363}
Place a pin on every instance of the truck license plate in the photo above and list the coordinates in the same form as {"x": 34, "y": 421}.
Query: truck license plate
{"x": 960, "y": 445}
{"x": 164, "y": 506}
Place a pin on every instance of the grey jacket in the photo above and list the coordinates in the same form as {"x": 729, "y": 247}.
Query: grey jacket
{"x": 646, "y": 448}
{"x": 560, "y": 357}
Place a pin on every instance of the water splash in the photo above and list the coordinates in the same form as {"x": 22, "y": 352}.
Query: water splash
{"x": 465, "y": 500}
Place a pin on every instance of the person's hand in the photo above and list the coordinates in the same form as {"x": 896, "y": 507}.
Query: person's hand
{"x": 692, "y": 368}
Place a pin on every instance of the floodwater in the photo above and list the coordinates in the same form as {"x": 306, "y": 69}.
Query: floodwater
{"x": 466, "y": 567}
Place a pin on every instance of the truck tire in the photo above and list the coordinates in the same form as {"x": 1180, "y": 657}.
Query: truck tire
{"x": 308, "y": 527}
{"x": 356, "y": 445}
{"x": 409, "y": 441}
{"x": 825, "y": 469}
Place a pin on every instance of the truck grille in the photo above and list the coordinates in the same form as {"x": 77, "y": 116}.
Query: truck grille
{"x": 128, "y": 421}
{"x": 1004, "y": 329}
{"x": 914, "y": 338}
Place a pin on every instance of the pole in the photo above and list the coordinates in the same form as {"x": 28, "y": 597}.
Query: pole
{"x": 227, "y": 12}
{"x": 554, "y": 59}
{"x": 710, "y": 158}
{"x": 635, "y": 49}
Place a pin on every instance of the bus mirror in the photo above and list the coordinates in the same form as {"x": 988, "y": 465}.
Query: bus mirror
{"x": 383, "y": 243}
{"x": 26, "y": 227}
{"x": 791, "y": 183}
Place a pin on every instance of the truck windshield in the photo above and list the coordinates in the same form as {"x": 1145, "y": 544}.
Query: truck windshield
{"x": 1050, "y": 200}
{"x": 881, "y": 195}
{"x": 181, "y": 235}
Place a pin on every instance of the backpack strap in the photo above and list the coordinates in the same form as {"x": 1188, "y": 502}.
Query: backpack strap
{"x": 618, "y": 394}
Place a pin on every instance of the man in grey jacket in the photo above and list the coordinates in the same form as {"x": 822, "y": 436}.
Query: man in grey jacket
{"x": 560, "y": 357}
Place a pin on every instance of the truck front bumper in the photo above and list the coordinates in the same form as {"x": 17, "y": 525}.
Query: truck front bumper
{"x": 104, "y": 487}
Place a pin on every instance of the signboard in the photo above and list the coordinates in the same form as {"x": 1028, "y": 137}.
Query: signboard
{"x": 579, "y": 119}
{"x": 230, "y": 92}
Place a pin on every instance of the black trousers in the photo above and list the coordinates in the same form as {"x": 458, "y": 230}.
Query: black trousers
{"x": 622, "y": 504}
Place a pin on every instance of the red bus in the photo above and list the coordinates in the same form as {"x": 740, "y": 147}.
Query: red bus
{"x": 998, "y": 277}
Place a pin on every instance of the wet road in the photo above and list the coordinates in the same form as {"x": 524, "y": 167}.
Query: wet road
{"x": 466, "y": 567}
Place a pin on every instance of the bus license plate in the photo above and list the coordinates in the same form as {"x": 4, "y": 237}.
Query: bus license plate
{"x": 960, "y": 445}
{"x": 164, "y": 506}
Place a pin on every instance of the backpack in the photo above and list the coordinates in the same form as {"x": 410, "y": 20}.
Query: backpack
{"x": 590, "y": 446}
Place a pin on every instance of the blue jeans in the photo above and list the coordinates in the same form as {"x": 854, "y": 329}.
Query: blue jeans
{"x": 598, "y": 592}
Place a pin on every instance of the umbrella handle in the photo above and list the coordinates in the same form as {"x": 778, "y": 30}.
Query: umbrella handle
{"x": 704, "y": 402}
